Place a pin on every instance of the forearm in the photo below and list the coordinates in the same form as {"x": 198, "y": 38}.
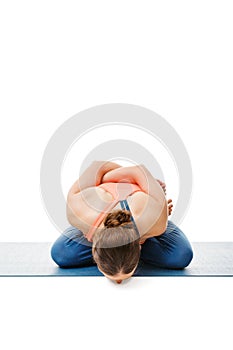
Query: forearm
{"x": 139, "y": 175}
{"x": 92, "y": 176}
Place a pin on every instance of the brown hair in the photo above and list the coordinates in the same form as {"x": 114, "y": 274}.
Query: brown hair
{"x": 116, "y": 247}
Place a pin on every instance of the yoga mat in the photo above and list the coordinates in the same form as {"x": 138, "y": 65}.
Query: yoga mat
{"x": 33, "y": 259}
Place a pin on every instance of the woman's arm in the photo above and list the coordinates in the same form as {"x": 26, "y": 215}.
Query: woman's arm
{"x": 92, "y": 176}
{"x": 139, "y": 175}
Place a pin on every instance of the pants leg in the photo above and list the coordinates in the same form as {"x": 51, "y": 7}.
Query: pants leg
{"x": 72, "y": 249}
{"x": 170, "y": 250}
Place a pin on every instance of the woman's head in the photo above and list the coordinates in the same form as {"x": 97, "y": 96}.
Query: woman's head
{"x": 116, "y": 248}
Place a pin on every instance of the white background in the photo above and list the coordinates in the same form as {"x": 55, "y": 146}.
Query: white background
{"x": 61, "y": 57}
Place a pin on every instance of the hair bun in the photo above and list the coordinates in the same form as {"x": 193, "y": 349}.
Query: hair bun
{"x": 117, "y": 218}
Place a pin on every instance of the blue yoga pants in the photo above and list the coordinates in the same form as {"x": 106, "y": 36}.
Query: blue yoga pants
{"x": 170, "y": 250}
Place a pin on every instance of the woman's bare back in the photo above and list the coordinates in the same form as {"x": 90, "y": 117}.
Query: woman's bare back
{"x": 84, "y": 207}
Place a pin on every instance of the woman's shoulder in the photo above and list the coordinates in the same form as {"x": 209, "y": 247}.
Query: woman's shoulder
{"x": 84, "y": 207}
{"x": 93, "y": 198}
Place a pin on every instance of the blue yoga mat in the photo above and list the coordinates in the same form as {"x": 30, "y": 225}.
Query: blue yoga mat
{"x": 33, "y": 259}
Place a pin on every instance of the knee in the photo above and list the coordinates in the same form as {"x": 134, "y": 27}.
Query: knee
{"x": 62, "y": 256}
{"x": 67, "y": 252}
{"x": 181, "y": 259}
{"x": 57, "y": 256}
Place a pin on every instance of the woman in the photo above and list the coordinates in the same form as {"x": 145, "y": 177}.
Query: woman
{"x": 119, "y": 215}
